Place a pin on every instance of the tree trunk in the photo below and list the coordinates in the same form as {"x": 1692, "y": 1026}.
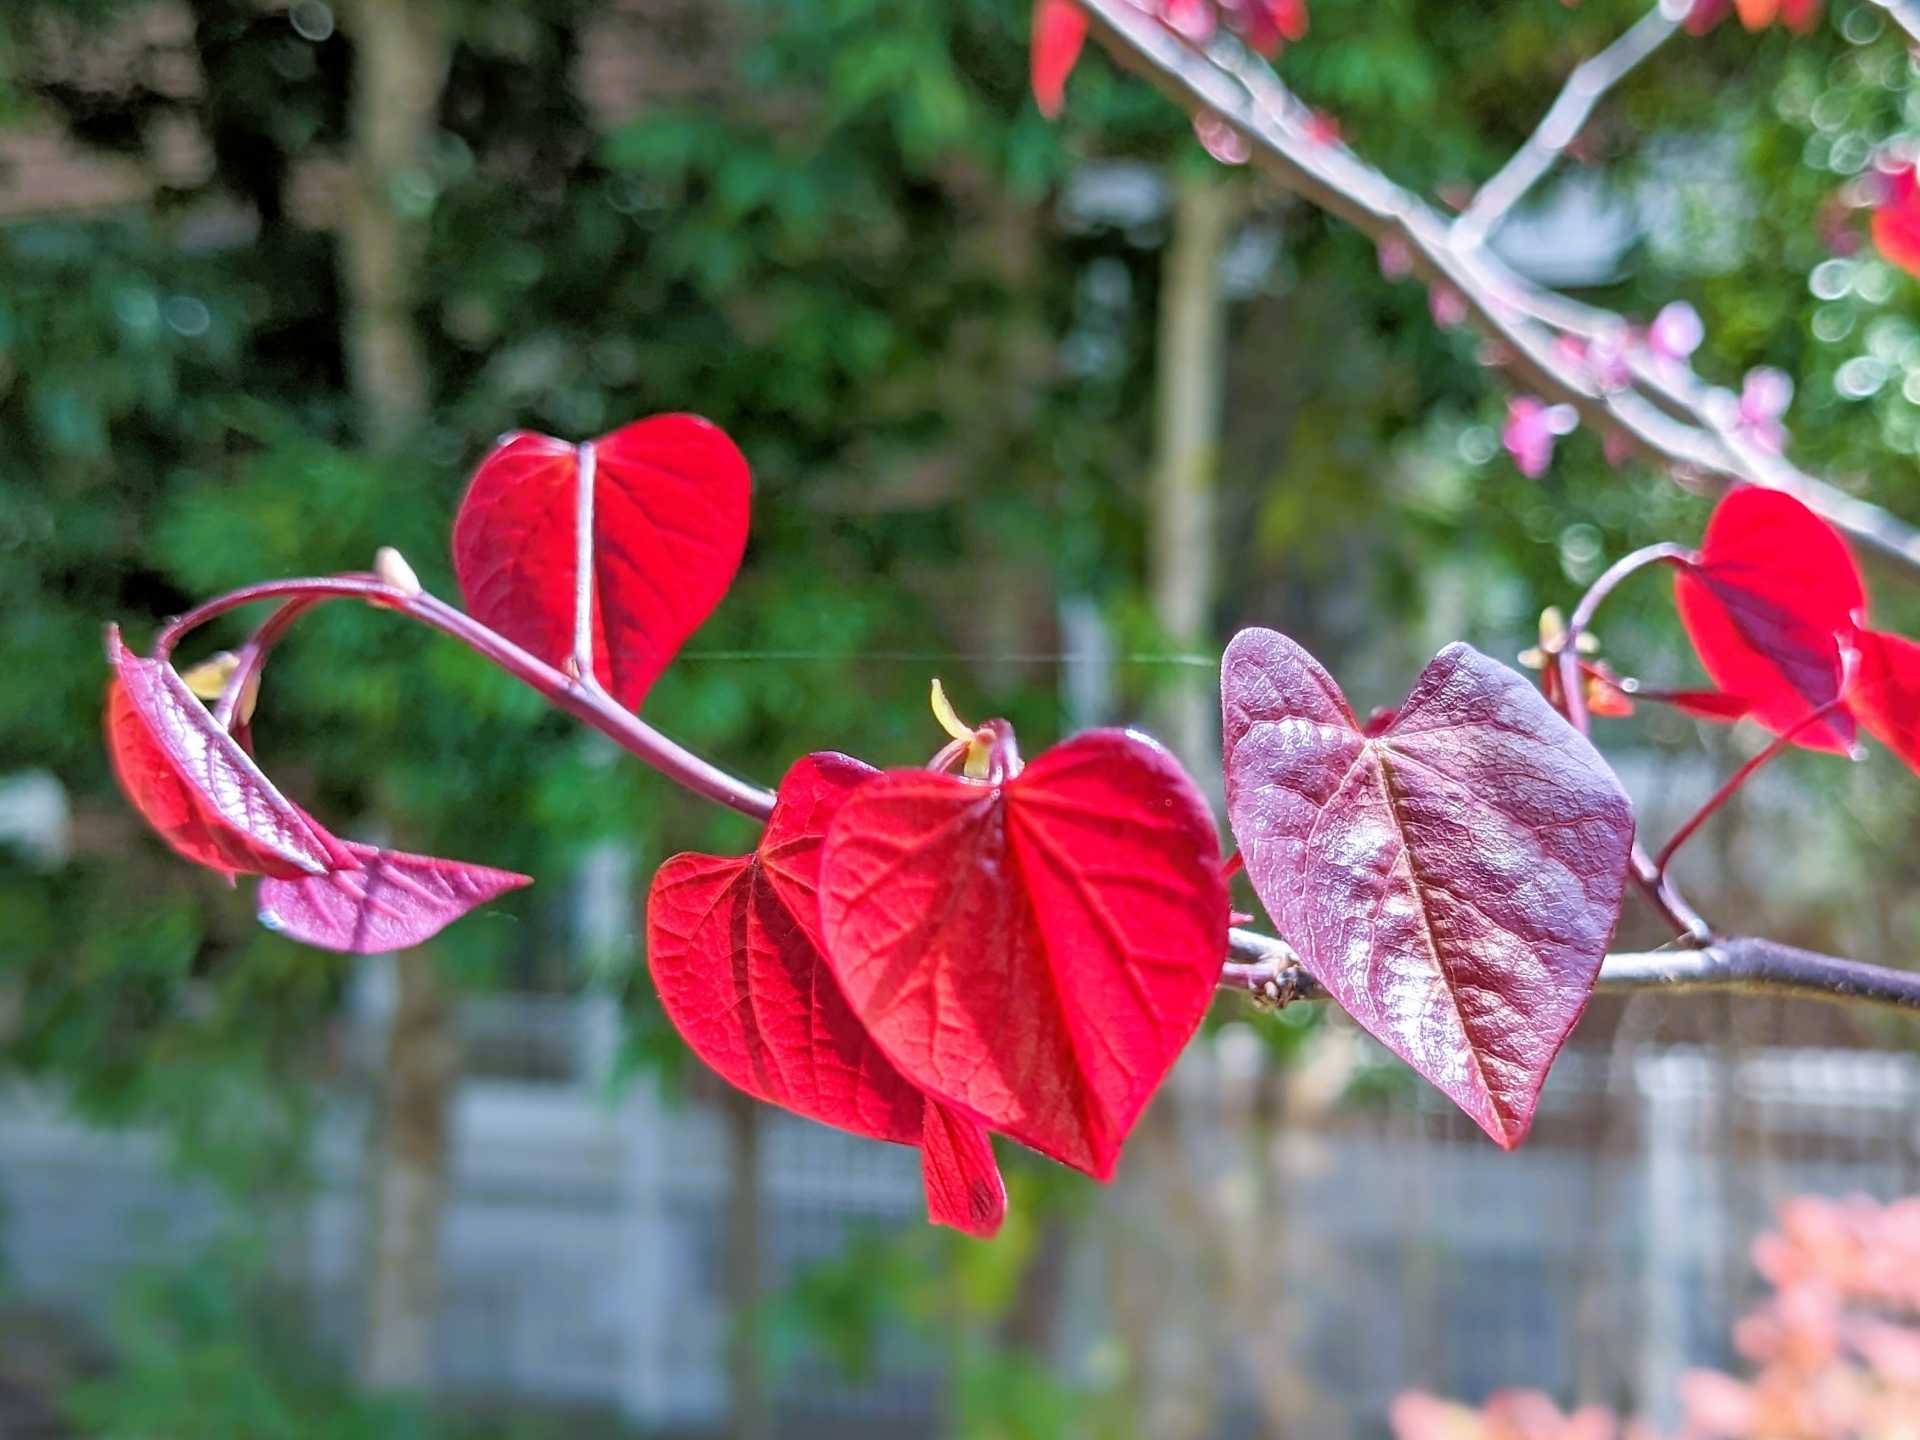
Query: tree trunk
{"x": 409, "y": 1183}
{"x": 402, "y": 51}
{"x": 1183, "y": 540}
{"x": 752, "y": 1407}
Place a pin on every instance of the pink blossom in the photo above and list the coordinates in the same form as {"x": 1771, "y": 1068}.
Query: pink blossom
{"x": 1531, "y": 430}
{"x": 1764, "y": 397}
{"x": 1676, "y": 332}
{"x": 1448, "y": 307}
{"x": 1221, "y": 140}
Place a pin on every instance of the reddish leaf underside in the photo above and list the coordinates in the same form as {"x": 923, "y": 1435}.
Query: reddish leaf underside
{"x": 746, "y": 988}
{"x": 392, "y": 901}
{"x": 1035, "y": 953}
{"x": 1886, "y": 695}
{"x": 1453, "y": 881}
{"x": 670, "y": 501}
{"x": 1772, "y": 591}
{"x": 193, "y": 783}
{"x": 1059, "y": 32}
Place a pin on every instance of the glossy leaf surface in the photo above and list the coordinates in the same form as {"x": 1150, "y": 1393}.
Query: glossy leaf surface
{"x": 1453, "y": 880}
{"x": 670, "y": 501}
{"x": 746, "y": 987}
{"x": 1035, "y": 952}
{"x": 193, "y": 783}
{"x": 392, "y": 901}
{"x": 1772, "y": 591}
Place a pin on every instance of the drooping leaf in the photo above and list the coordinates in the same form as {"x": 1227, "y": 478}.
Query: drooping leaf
{"x": 1034, "y": 952}
{"x": 670, "y": 500}
{"x": 392, "y": 901}
{"x": 1059, "y": 32}
{"x": 1765, "y": 604}
{"x": 746, "y": 987}
{"x": 1886, "y": 694}
{"x": 192, "y": 781}
{"x": 1453, "y": 880}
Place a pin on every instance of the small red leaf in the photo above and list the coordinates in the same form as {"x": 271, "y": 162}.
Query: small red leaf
{"x": 1886, "y": 695}
{"x": 963, "y": 1183}
{"x": 1037, "y": 952}
{"x": 1452, "y": 881}
{"x": 1765, "y": 603}
{"x": 193, "y": 783}
{"x": 392, "y": 901}
{"x": 747, "y": 989}
{"x": 670, "y": 501}
{"x": 1701, "y": 704}
{"x": 1059, "y": 32}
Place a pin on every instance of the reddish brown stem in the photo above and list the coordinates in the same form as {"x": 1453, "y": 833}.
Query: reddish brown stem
{"x": 1571, "y": 681}
{"x": 1740, "y": 777}
{"x": 580, "y": 698}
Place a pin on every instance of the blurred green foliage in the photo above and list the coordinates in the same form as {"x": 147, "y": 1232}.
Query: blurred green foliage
{"x": 840, "y": 239}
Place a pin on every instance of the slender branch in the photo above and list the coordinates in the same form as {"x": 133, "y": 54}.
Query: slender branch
{"x": 583, "y": 562}
{"x": 1905, "y": 14}
{"x": 1269, "y": 968}
{"x": 1740, "y": 777}
{"x": 1665, "y": 897}
{"x": 1663, "y": 408}
{"x": 580, "y": 698}
{"x": 1563, "y": 123}
{"x": 1583, "y": 613}
{"x": 252, "y": 659}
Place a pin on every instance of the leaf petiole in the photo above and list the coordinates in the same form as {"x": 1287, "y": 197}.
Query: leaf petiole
{"x": 1569, "y": 655}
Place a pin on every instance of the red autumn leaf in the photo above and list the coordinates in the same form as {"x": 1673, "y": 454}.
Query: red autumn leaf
{"x": 1035, "y": 952}
{"x": 1765, "y": 603}
{"x": 1886, "y": 695}
{"x": 194, "y": 784}
{"x": 751, "y": 995}
{"x": 1701, "y": 704}
{"x": 749, "y": 991}
{"x": 1453, "y": 881}
{"x": 1896, "y": 221}
{"x": 1059, "y": 32}
{"x": 392, "y": 901}
{"x": 670, "y": 500}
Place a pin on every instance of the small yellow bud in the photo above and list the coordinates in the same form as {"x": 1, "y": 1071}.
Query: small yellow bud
{"x": 209, "y": 678}
{"x": 949, "y": 719}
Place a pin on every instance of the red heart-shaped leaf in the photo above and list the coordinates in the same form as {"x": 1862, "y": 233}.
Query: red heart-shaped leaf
{"x": 670, "y": 498}
{"x": 751, "y": 995}
{"x": 1453, "y": 881}
{"x": 1059, "y": 31}
{"x": 1035, "y": 952}
{"x": 392, "y": 901}
{"x": 1886, "y": 696}
{"x": 1765, "y": 603}
{"x": 193, "y": 783}
{"x": 734, "y": 957}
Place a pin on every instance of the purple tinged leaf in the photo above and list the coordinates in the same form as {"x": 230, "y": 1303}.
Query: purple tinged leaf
{"x": 391, "y": 902}
{"x": 1453, "y": 880}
